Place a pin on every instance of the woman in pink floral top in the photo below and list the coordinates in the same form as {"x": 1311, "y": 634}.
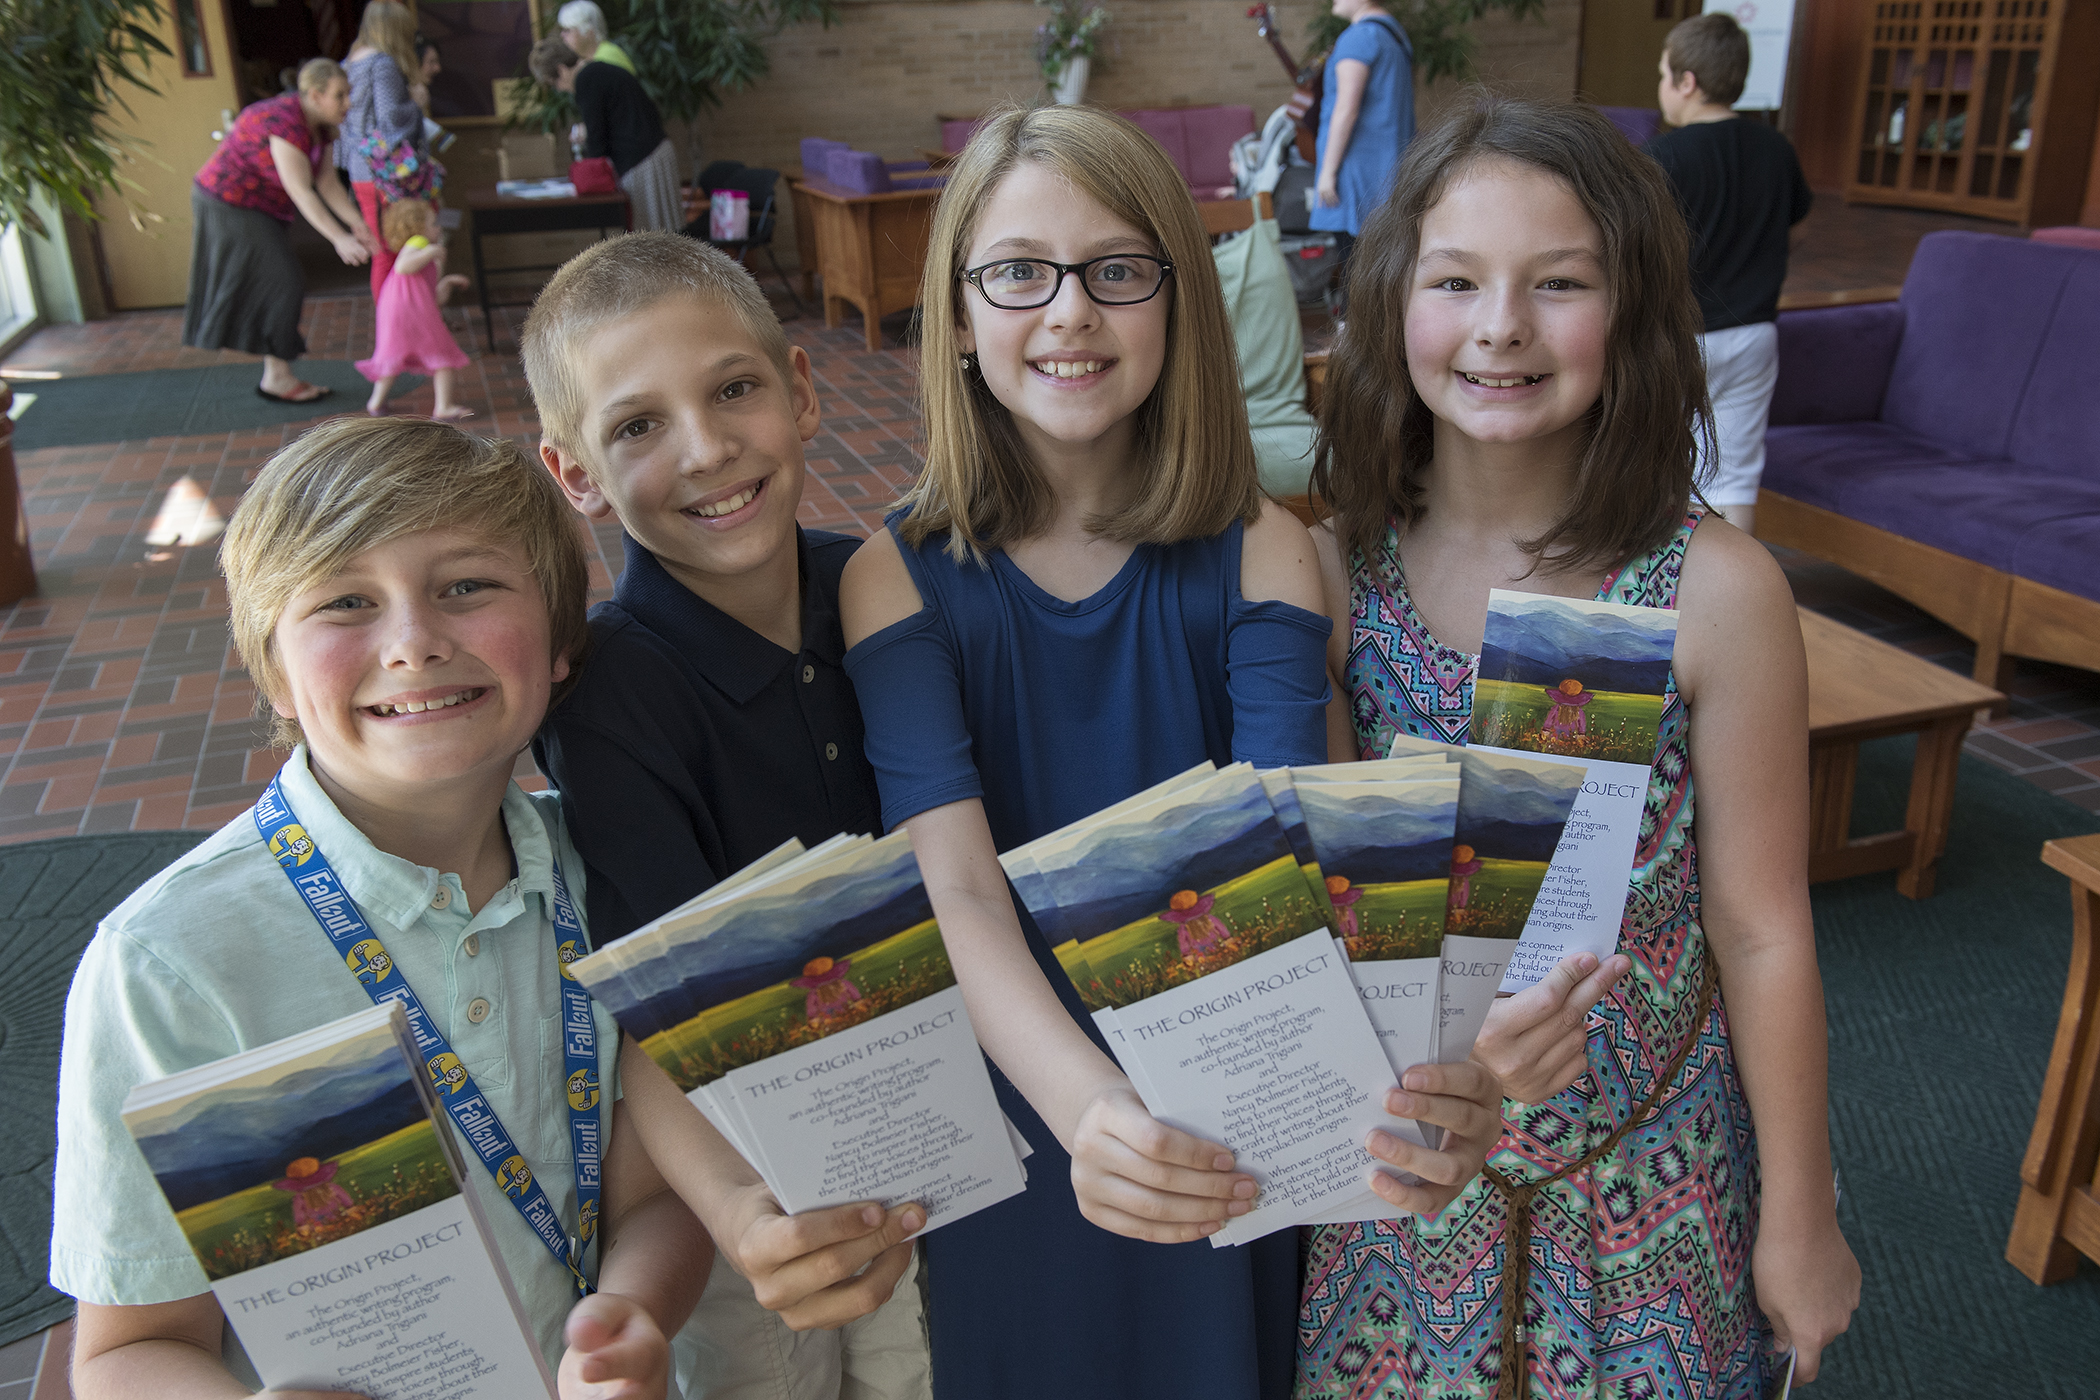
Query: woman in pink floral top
{"x": 246, "y": 285}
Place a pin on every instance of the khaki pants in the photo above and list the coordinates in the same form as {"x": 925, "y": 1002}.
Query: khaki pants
{"x": 733, "y": 1349}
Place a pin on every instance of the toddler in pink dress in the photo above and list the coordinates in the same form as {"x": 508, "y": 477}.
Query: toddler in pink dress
{"x": 411, "y": 331}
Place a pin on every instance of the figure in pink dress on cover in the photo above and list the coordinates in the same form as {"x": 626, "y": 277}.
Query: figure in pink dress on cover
{"x": 831, "y": 992}
{"x": 411, "y": 333}
{"x": 1564, "y": 709}
{"x": 316, "y": 1199}
{"x": 1198, "y": 932}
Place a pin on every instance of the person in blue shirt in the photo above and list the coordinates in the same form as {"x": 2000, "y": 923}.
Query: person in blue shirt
{"x": 1367, "y": 117}
{"x": 714, "y": 722}
{"x": 1086, "y": 593}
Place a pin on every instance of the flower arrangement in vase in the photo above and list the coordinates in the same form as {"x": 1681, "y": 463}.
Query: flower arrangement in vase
{"x": 1064, "y": 46}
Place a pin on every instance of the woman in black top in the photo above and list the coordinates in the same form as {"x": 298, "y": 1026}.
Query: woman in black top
{"x": 621, "y": 122}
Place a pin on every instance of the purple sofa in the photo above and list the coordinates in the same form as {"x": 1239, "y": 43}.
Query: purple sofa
{"x": 1947, "y": 445}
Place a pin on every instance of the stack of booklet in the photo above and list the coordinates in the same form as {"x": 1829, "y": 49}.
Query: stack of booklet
{"x": 806, "y": 1006}
{"x": 319, "y": 1184}
{"x": 1268, "y": 952}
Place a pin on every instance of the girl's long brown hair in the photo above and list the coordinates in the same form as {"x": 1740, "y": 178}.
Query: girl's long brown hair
{"x": 1634, "y": 480}
{"x": 1192, "y": 438}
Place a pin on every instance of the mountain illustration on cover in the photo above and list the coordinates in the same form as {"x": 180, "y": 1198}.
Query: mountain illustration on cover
{"x": 806, "y": 957}
{"x": 1171, "y": 890}
{"x": 297, "y": 1154}
{"x": 1511, "y": 812}
{"x": 1385, "y": 851}
{"x": 1573, "y": 677}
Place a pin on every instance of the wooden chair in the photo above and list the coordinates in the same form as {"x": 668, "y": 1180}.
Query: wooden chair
{"x": 1232, "y": 215}
{"x": 2058, "y": 1217}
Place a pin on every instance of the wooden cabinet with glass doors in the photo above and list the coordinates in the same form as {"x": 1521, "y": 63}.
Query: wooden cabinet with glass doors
{"x": 1982, "y": 107}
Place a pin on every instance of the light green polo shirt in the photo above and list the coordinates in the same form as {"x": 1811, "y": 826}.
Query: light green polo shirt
{"x": 609, "y": 52}
{"x": 218, "y": 954}
{"x": 1265, "y": 330}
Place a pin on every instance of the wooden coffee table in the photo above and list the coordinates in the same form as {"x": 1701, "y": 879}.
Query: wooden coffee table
{"x": 1859, "y": 689}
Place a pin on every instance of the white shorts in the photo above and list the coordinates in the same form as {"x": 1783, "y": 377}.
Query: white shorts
{"x": 733, "y": 1349}
{"x": 1742, "y": 366}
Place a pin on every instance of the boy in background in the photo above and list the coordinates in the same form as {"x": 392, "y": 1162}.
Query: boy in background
{"x": 714, "y": 722}
{"x": 407, "y": 599}
{"x": 1742, "y": 192}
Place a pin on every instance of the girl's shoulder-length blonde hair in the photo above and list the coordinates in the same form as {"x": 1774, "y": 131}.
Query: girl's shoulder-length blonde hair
{"x": 1193, "y": 447}
{"x": 1633, "y": 482}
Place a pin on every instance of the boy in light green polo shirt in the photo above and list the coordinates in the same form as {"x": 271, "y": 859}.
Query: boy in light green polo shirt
{"x": 407, "y": 599}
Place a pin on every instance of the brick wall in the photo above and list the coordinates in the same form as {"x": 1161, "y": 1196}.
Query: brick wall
{"x": 879, "y": 78}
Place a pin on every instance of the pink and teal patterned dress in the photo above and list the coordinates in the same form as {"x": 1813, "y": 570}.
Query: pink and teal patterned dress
{"x": 1640, "y": 1264}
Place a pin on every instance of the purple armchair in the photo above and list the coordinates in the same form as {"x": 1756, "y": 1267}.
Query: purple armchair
{"x": 1947, "y": 445}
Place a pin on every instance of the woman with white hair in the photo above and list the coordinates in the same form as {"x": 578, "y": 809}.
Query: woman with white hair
{"x": 621, "y": 123}
{"x": 583, "y": 29}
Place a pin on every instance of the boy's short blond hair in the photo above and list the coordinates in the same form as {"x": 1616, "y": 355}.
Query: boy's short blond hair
{"x": 617, "y": 278}
{"x": 353, "y": 483}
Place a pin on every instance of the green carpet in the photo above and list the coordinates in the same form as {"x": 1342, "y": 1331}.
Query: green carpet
{"x": 179, "y": 402}
{"x": 52, "y": 894}
{"x": 1941, "y": 1016}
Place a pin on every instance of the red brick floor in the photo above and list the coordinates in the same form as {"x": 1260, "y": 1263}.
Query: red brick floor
{"x": 122, "y": 704}
{"x": 123, "y": 707}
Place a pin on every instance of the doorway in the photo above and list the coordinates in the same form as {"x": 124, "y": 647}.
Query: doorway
{"x": 1621, "y": 41}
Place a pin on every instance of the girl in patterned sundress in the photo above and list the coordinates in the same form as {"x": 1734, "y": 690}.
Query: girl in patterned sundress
{"x": 1517, "y": 404}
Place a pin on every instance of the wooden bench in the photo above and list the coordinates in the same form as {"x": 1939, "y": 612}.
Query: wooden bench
{"x": 2058, "y": 1217}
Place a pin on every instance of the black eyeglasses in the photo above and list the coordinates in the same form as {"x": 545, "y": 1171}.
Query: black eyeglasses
{"x": 1021, "y": 284}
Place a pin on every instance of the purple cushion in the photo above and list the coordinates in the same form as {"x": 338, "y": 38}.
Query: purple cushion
{"x": 2056, "y": 424}
{"x": 1979, "y": 510}
{"x": 814, "y": 151}
{"x": 1834, "y": 362}
{"x": 858, "y": 171}
{"x": 2060, "y": 553}
{"x": 2068, "y": 236}
{"x": 1207, "y": 137}
{"x": 1976, "y": 306}
{"x": 1818, "y": 463}
{"x": 1166, "y": 126}
{"x": 1639, "y": 125}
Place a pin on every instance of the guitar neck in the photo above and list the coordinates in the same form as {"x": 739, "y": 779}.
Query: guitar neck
{"x": 1266, "y": 28}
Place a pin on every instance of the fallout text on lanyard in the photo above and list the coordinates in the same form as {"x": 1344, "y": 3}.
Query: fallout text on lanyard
{"x": 366, "y": 956}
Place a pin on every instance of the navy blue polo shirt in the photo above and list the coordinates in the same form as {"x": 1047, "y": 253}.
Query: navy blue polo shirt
{"x": 692, "y": 745}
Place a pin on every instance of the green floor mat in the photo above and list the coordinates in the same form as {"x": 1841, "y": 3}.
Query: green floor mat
{"x": 180, "y": 402}
{"x": 1941, "y": 1016}
{"x": 52, "y": 894}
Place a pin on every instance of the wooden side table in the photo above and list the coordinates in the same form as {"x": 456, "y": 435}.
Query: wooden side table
{"x": 2059, "y": 1213}
{"x": 1859, "y": 689}
{"x": 871, "y": 249}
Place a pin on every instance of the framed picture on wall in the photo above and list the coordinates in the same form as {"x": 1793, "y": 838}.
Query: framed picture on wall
{"x": 481, "y": 43}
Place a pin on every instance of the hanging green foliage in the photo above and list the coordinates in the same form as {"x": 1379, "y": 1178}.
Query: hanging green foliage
{"x": 1443, "y": 46}
{"x": 63, "y": 68}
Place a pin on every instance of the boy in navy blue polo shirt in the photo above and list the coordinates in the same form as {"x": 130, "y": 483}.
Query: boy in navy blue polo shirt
{"x": 712, "y": 721}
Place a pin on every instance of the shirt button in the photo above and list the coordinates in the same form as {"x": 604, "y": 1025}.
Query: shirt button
{"x": 831, "y": 751}
{"x": 473, "y": 944}
{"x": 442, "y": 899}
{"x": 809, "y": 673}
{"x": 478, "y": 1010}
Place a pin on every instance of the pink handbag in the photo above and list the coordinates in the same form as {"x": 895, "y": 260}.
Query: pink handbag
{"x": 593, "y": 175}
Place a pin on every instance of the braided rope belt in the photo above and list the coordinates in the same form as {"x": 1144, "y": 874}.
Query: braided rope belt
{"x": 1516, "y": 1262}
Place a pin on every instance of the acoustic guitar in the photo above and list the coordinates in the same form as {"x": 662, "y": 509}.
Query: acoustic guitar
{"x": 1306, "y": 82}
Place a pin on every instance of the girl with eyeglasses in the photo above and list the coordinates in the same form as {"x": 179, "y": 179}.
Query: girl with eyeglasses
{"x": 1085, "y": 593}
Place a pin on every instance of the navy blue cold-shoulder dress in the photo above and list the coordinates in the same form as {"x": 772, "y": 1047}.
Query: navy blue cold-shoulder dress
{"x": 1049, "y": 711}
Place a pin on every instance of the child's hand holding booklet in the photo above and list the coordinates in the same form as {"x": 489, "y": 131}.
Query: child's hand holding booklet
{"x": 806, "y": 1006}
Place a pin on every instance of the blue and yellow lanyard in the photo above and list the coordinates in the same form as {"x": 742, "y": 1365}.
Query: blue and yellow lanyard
{"x": 362, "y": 952}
